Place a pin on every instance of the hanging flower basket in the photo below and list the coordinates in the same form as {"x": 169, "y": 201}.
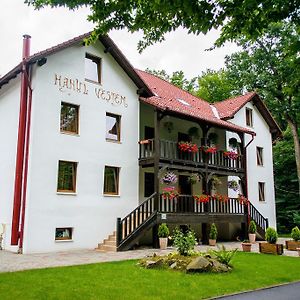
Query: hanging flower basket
{"x": 194, "y": 178}
{"x": 230, "y": 154}
{"x": 209, "y": 149}
{"x": 202, "y": 198}
{"x": 187, "y": 147}
{"x": 169, "y": 193}
{"x": 169, "y": 178}
{"x": 233, "y": 185}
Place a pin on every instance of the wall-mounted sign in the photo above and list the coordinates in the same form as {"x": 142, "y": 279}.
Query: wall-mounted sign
{"x": 68, "y": 84}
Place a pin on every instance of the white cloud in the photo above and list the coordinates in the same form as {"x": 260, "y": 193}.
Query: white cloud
{"x": 48, "y": 27}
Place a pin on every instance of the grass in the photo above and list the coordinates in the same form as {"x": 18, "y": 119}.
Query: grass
{"x": 125, "y": 280}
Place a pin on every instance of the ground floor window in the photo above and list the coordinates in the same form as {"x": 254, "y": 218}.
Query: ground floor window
{"x": 66, "y": 181}
{"x": 111, "y": 180}
{"x": 63, "y": 233}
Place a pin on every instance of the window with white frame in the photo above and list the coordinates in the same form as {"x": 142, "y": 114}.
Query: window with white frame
{"x": 69, "y": 115}
{"x": 111, "y": 180}
{"x": 261, "y": 191}
{"x": 66, "y": 179}
{"x": 92, "y": 68}
{"x": 249, "y": 117}
{"x": 63, "y": 234}
{"x": 259, "y": 156}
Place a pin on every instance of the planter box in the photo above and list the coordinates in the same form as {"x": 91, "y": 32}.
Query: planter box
{"x": 271, "y": 248}
{"x": 246, "y": 247}
{"x": 292, "y": 245}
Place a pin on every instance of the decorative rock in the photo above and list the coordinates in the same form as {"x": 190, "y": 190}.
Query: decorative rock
{"x": 218, "y": 267}
{"x": 153, "y": 263}
{"x": 199, "y": 264}
{"x": 173, "y": 265}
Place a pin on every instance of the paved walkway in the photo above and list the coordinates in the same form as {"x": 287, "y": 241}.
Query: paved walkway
{"x": 10, "y": 262}
{"x": 290, "y": 291}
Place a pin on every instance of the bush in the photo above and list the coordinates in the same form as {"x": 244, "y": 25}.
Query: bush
{"x": 252, "y": 227}
{"x": 213, "y": 233}
{"x": 271, "y": 235}
{"x": 184, "y": 242}
{"x": 295, "y": 234}
{"x": 223, "y": 256}
{"x": 163, "y": 230}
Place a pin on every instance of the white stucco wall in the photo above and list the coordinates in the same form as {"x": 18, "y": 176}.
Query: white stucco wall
{"x": 91, "y": 214}
{"x": 255, "y": 172}
{"x": 9, "y": 122}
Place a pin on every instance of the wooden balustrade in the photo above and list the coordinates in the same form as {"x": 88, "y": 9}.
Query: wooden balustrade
{"x": 168, "y": 150}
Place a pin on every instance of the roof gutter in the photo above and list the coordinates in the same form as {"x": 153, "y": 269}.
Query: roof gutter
{"x": 23, "y": 139}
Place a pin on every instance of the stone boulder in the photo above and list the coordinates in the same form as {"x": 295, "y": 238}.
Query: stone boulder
{"x": 199, "y": 264}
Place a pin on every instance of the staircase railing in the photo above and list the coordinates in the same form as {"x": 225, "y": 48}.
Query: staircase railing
{"x": 130, "y": 225}
{"x": 261, "y": 222}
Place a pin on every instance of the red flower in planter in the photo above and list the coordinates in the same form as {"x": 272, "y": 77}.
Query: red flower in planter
{"x": 202, "y": 198}
{"x": 187, "y": 147}
{"x": 231, "y": 154}
{"x": 169, "y": 193}
{"x": 209, "y": 149}
{"x": 221, "y": 198}
{"x": 243, "y": 200}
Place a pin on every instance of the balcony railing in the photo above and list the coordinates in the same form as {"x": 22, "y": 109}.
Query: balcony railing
{"x": 168, "y": 150}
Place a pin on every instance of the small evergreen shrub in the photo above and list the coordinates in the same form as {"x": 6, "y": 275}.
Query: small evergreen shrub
{"x": 271, "y": 235}
{"x": 184, "y": 242}
{"x": 163, "y": 230}
{"x": 295, "y": 234}
{"x": 213, "y": 233}
{"x": 252, "y": 227}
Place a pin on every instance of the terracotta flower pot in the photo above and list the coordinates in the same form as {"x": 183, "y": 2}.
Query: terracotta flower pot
{"x": 252, "y": 237}
{"x": 212, "y": 242}
{"x": 163, "y": 243}
{"x": 246, "y": 247}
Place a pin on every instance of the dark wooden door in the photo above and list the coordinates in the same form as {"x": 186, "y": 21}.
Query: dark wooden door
{"x": 184, "y": 202}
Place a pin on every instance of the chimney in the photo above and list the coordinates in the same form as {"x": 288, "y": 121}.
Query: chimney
{"x": 26, "y": 46}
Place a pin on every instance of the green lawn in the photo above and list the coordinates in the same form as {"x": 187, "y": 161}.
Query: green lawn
{"x": 125, "y": 280}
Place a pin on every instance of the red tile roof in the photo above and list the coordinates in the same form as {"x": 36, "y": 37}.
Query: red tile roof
{"x": 229, "y": 107}
{"x": 169, "y": 97}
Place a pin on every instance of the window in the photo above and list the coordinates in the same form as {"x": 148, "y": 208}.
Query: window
{"x": 249, "y": 119}
{"x": 69, "y": 118}
{"x": 63, "y": 234}
{"x": 66, "y": 181}
{"x": 259, "y": 156}
{"x": 149, "y": 133}
{"x": 261, "y": 191}
{"x": 92, "y": 68}
{"x": 148, "y": 184}
{"x": 113, "y": 127}
{"x": 111, "y": 180}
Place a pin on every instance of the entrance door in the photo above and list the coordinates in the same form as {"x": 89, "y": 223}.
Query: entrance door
{"x": 185, "y": 202}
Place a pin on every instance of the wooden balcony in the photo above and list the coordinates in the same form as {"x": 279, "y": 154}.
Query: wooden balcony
{"x": 169, "y": 153}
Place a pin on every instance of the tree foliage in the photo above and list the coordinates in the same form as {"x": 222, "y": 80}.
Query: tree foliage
{"x": 156, "y": 18}
{"x": 270, "y": 65}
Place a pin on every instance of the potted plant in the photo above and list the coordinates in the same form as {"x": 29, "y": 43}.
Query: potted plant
{"x": 163, "y": 233}
{"x": 252, "y": 232}
{"x": 295, "y": 243}
{"x": 213, "y": 234}
{"x": 270, "y": 246}
{"x": 246, "y": 245}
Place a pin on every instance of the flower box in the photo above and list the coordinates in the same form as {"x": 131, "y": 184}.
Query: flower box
{"x": 209, "y": 149}
{"x": 271, "y": 248}
{"x": 187, "y": 147}
{"x": 292, "y": 245}
{"x": 246, "y": 247}
{"x": 231, "y": 154}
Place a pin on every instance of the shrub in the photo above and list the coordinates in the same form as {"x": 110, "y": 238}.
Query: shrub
{"x": 295, "y": 234}
{"x": 213, "y": 233}
{"x": 184, "y": 242}
{"x": 223, "y": 256}
{"x": 163, "y": 230}
{"x": 252, "y": 227}
{"x": 271, "y": 235}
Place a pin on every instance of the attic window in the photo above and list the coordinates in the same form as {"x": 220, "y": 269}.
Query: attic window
{"x": 183, "y": 102}
{"x": 92, "y": 68}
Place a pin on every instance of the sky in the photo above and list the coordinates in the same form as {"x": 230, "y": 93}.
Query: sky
{"x": 48, "y": 27}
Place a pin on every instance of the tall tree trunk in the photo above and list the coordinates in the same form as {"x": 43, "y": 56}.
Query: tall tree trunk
{"x": 294, "y": 130}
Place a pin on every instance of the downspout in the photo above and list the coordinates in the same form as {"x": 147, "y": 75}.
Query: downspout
{"x": 246, "y": 177}
{"x": 20, "y": 143}
{"x": 24, "y": 191}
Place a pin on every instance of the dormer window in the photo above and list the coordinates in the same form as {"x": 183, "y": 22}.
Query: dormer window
{"x": 249, "y": 117}
{"x": 92, "y": 68}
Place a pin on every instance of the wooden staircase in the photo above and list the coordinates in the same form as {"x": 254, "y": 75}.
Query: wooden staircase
{"x": 109, "y": 244}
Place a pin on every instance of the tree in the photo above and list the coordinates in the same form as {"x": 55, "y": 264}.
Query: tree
{"x": 156, "y": 18}
{"x": 270, "y": 65}
{"x": 215, "y": 86}
{"x": 285, "y": 175}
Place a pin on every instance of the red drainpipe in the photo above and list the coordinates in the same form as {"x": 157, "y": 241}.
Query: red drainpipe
{"x": 21, "y": 143}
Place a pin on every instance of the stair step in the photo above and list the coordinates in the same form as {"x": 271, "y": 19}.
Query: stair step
{"x": 109, "y": 242}
{"x": 106, "y": 248}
